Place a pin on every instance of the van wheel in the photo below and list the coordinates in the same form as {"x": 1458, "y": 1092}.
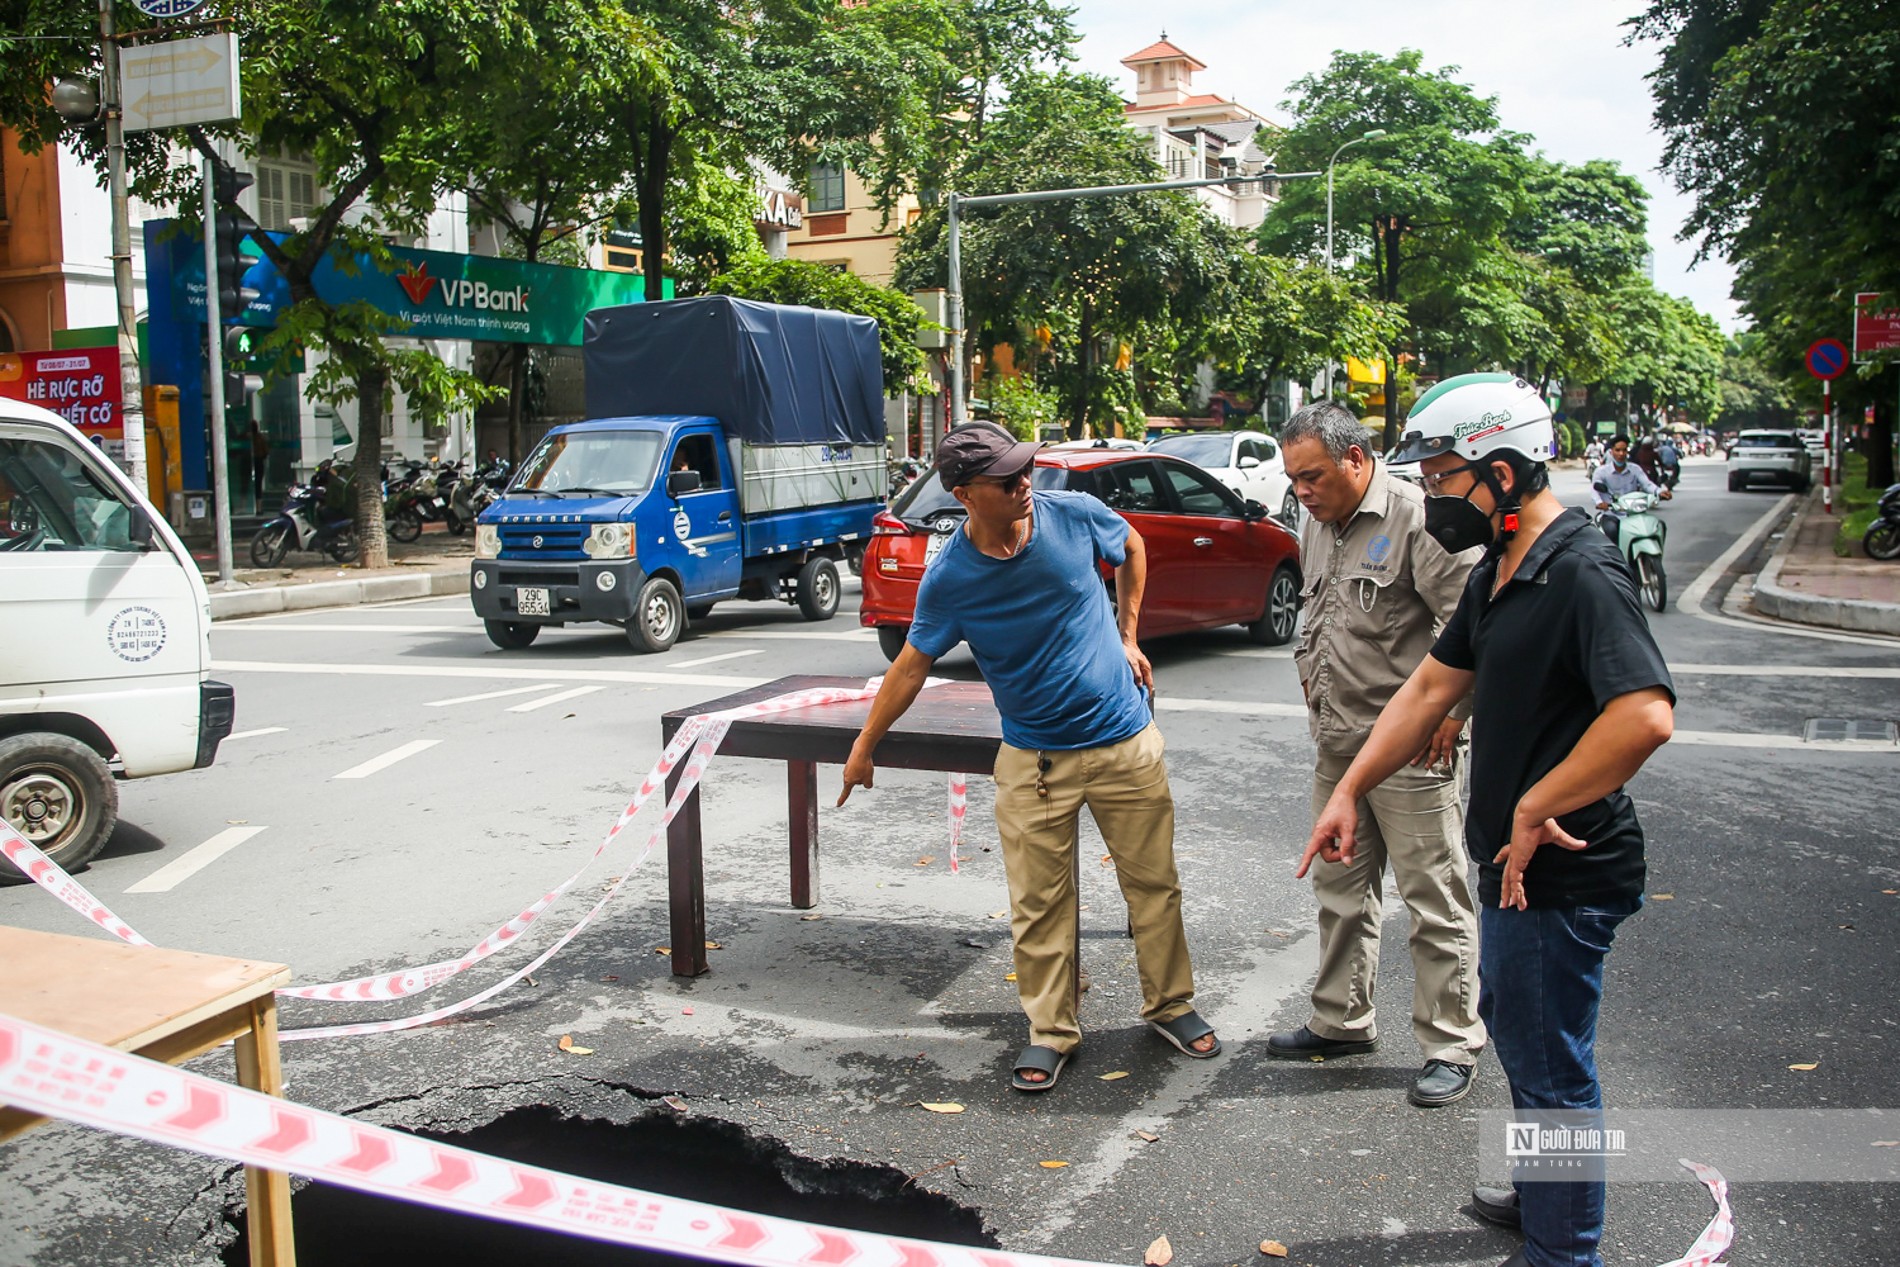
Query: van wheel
{"x": 56, "y": 792}
{"x": 891, "y": 639}
{"x": 1276, "y": 623}
{"x": 511, "y": 635}
{"x": 658, "y": 617}
{"x": 818, "y": 588}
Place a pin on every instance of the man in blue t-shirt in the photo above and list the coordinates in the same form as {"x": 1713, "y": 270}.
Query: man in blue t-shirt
{"x": 1021, "y": 584}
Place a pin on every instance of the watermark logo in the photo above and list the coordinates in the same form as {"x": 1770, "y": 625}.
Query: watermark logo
{"x": 1536, "y": 1139}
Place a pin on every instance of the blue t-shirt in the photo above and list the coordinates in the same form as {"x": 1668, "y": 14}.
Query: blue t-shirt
{"x": 1040, "y": 626}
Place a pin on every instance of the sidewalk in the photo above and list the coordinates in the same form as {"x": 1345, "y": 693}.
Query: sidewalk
{"x": 435, "y": 563}
{"x": 1805, "y": 581}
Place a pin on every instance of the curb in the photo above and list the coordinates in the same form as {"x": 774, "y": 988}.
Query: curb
{"x": 1858, "y": 615}
{"x": 373, "y": 589}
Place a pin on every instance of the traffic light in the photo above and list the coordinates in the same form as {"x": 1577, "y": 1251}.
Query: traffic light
{"x": 232, "y": 227}
{"x": 240, "y": 381}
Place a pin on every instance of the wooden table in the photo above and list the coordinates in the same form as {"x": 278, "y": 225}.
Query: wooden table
{"x": 952, "y": 728}
{"x": 165, "y": 1005}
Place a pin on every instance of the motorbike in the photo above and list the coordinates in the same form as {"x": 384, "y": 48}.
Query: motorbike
{"x": 305, "y": 524}
{"x": 485, "y": 486}
{"x": 1671, "y": 472}
{"x": 1640, "y": 536}
{"x": 1882, "y": 540}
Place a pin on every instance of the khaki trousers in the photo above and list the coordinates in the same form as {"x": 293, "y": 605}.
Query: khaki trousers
{"x": 1125, "y": 786}
{"x": 1413, "y": 822}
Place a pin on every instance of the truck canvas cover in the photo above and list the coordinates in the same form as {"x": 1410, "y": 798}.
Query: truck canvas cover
{"x": 772, "y": 374}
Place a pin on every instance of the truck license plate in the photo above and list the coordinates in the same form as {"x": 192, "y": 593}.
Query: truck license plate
{"x": 531, "y": 602}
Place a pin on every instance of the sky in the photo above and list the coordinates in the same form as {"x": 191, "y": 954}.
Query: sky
{"x": 1557, "y": 67}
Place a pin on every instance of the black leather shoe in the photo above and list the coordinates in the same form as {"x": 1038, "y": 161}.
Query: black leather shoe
{"x": 1497, "y": 1206}
{"x": 1440, "y": 1083}
{"x": 1304, "y": 1044}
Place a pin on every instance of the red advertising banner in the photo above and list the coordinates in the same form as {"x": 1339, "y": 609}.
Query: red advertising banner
{"x": 1876, "y": 325}
{"x": 81, "y": 385}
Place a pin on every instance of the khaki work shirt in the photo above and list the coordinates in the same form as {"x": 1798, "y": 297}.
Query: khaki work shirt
{"x": 1377, "y": 590}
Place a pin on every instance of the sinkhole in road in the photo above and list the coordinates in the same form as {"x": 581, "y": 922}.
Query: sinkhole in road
{"x": 697, "y": 1157}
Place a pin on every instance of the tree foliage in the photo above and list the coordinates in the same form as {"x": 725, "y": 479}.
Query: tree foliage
{"x": 1781, "y": 119}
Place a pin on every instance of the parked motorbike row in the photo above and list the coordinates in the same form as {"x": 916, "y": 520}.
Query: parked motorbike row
{"x": 1882, "y": 540}
{"x": 318, "y": 516}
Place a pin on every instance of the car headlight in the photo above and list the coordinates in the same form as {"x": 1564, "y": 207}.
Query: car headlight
{"x": 608, "y": 541}
{"x": 487, "y": 541}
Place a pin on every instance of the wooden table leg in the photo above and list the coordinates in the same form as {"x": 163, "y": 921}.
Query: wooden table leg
{"x": 802, "y": 787}
{"x": 686, "y": 883}
{"x": 266, "y": 1192}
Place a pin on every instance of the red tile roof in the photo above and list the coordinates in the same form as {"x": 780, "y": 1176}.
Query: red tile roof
{"x": 1192, "y": 103}
{"x": 1162, "y": 51}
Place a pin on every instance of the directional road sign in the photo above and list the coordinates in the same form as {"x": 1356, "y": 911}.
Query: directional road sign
{"x": 180, "y": 81}
{"x": 1827, "y": 358}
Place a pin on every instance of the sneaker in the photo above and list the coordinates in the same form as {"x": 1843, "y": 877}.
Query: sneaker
{"x": 1304, "y": 1044}
{"x": 1497, "y": 1206}
{"x": 1440, "y": 1083}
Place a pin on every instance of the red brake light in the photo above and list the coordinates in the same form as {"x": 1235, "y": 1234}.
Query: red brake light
{"x": 885, "y": 524}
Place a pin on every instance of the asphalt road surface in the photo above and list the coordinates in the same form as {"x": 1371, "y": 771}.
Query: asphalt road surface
{"x": 398, "y": 787}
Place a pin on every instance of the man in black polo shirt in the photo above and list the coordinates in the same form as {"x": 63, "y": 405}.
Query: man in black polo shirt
{"x": 1570, "y": 697}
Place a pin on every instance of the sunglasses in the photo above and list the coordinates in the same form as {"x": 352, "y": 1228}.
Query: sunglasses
{"x": 1005, "y": 481}
{"x": 1043, "y": 765}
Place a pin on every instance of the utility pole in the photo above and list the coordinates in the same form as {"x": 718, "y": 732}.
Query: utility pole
{"x": 957, "y": 202}
{"x": 131, "y": 385}
{"x": 1373, "y": 135}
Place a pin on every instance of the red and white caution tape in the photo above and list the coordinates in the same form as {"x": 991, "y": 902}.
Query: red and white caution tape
{"x": 44, "y": 1071}
{"x": 702, "y": 733}
{"x": 959, "y": 805}
{"x": 1719, "y": 1235}
{"x": 50, "y": 876}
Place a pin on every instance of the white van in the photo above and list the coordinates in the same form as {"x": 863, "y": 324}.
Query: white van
{"x": 105, "y": 641}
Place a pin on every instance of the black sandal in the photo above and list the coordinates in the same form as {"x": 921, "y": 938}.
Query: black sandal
{"x": 1184, "y": 1030}
{"x": 1037, "y": 1059}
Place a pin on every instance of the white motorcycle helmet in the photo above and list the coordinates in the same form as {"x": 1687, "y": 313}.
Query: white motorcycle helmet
{"x": 1475, "y": 415}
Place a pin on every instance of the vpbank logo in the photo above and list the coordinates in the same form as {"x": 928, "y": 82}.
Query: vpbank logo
{"x": 416, "y": 282}
{"x": 460, "y": 292}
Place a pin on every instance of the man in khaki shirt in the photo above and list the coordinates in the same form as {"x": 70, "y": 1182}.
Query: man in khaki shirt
{"x": 1377, "y": 590}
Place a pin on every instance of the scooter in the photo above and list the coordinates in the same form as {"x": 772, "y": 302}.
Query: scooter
{"x": 1883, "y": 535}
{"x": 1640, "y": 536}
{"x": 302, "y": 525}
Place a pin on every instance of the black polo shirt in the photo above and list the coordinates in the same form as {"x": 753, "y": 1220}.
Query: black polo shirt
{"x": 1563, "y": 638}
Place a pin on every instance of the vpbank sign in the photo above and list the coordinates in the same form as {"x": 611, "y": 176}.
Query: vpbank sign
{"x": 430, "y": 294}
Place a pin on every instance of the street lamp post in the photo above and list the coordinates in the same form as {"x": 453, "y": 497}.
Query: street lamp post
{"x": 132, "y": 404}
{"x": 1373, "y": 135}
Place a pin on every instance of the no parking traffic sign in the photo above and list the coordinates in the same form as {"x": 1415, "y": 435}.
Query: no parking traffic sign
{"x": 1827, "y": 358}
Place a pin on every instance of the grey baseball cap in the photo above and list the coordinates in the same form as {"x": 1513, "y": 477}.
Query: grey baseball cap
{"x": 981, "y": 448}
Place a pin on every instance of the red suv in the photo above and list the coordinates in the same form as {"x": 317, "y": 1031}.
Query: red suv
{"x": 1213, "y": 559}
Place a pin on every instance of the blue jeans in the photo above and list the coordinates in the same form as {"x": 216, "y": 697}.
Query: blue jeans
{"x": 1540, "y": 979}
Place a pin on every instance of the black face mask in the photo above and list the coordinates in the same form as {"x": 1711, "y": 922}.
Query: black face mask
{"x": 1456, "y": 524}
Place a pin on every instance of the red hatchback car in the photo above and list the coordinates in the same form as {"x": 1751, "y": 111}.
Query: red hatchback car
{"x": 1213, "y": 559}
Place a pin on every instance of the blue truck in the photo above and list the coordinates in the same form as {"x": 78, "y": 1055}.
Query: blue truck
{"x": 731, "y": 450}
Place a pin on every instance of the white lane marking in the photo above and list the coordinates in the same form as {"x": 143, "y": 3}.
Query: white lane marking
{"x": 1690, "y": 603}
{"x": 253, "y": 734}
{"x": 574, "y": 692}
{"x": 809, "y": 635}
{"x": 186, "y": 865}
{"x": 1786, "y": 670}
{"x": 529, "y": 672}
{"x": 471, "y": 699}
{"x": 1244, "y": 708}
{"x": 1691, "y": 600}
{"x": 286, "y": 627}
{"x": 713, "y": 659}
{"x": 1789, "y": 743}
{"x": 388, "y": 759}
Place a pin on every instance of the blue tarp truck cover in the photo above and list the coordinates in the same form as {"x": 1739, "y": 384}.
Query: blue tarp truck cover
{"x": 773, "y": 374}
